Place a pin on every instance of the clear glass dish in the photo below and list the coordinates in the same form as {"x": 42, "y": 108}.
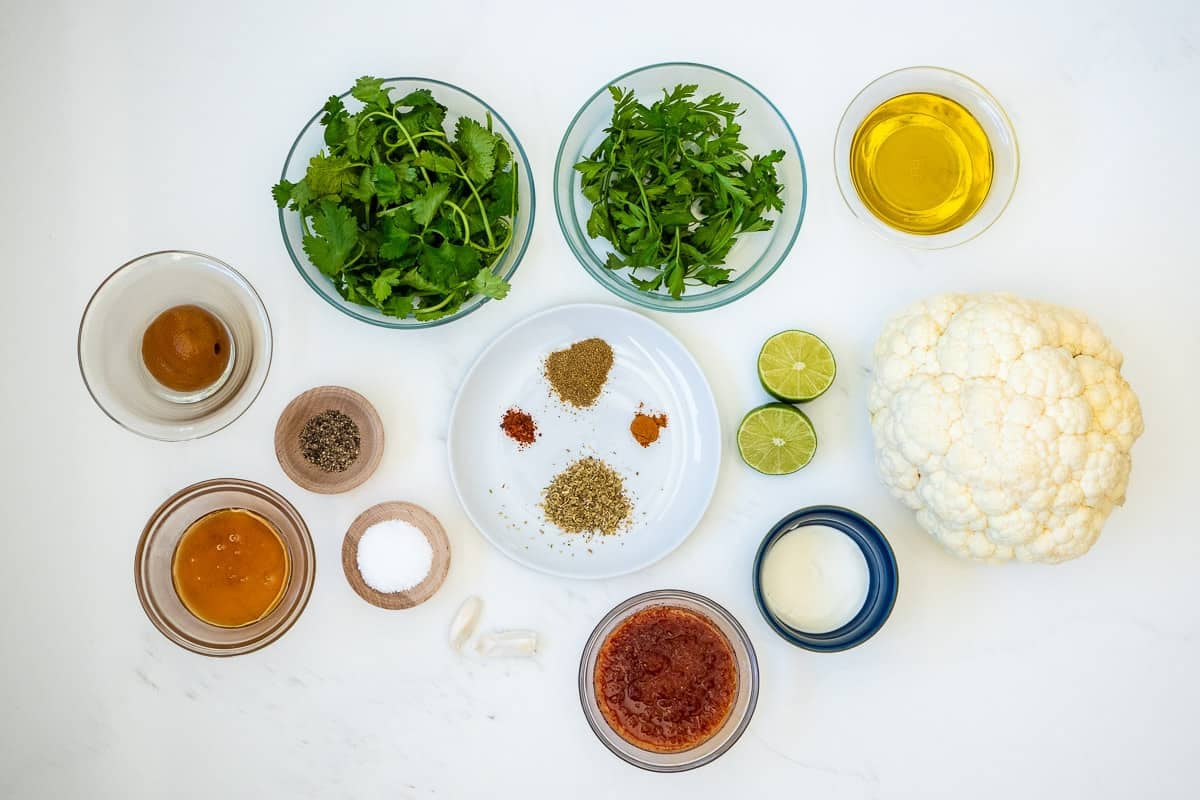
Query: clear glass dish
{"x": 971, "y": 96}
{"x": 110, "y": 336}
{"x": 743, "y": 705}
{"x": 459, "y": 103}
{"x": 755, "y": 256}
{"x": 156, "y": 550}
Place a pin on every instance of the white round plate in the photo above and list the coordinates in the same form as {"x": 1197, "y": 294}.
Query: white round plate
{"x": 670, "y": 482}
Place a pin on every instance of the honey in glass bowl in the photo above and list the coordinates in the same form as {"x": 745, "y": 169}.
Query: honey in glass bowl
{"x": 188, "y": 352}
{"x": 921, "y": 163}
{"x": 230, "y": 568}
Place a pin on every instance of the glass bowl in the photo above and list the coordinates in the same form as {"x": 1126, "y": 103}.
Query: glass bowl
{"x": 110, "y": 336}
{"x": 156, "y": 550}
{"x": 459, "y": 103}
{"x": 743, "y": 705}
{"x": 881, "y": 567}
{"x": 755, "y": 256}
{"x": 971, "y": 96}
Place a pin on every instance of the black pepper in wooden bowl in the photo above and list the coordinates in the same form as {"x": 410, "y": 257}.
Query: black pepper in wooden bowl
{"x": 330, "y": 441}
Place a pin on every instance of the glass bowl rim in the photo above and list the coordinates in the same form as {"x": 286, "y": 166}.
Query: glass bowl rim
{"x": 151, "y": 609}
{"x": 413, "y": 324}
{"x": 595, "y": 718}
{"x": 646, "y": 299}
{"x": 239, "y": 278}
{"x": 866, "y": 623}
{"x": 946, "y": 239}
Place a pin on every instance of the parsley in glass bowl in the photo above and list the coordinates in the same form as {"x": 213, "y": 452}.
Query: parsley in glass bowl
{"x": 679, "y": 187}
{"x": 406, "y": 202}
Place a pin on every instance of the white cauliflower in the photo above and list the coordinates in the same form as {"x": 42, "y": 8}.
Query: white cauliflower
{"x": 1004, "y": 423}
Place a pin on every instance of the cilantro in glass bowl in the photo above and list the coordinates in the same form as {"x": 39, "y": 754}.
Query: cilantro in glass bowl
{"x": 679, "y": 187}
{"x": 406, "y": 202}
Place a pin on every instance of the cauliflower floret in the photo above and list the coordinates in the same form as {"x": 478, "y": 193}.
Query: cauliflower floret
{"x": 1004, "y": 423}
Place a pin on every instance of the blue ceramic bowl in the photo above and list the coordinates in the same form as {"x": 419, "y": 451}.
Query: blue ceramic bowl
{"x": 881, "y": 564}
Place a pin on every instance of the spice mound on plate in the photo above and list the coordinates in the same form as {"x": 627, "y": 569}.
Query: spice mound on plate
{"x": 519, "y": 426}
{"x": 330, "y": 441}
{"x": 578, "y": 373}
{"x": 645, "y": 427}
{"x": 587, "y": 497}
{"x": 666, "y": 679}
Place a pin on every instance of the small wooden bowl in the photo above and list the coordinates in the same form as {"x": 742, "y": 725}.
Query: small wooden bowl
{"x": 316, "y": 401}
{"x": 428, "y": 524}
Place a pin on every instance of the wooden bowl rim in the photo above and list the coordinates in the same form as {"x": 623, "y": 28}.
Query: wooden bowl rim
{"x": 297, "y": 412}
{"x": 428, "y": 524}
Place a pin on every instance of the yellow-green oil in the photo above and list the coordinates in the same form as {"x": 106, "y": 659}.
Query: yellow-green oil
{"x": 921, "y": 163}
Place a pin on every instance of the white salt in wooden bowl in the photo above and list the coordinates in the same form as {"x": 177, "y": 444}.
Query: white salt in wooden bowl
{"x": 425, "y": 522}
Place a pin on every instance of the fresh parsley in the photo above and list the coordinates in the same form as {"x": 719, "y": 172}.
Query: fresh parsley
{"x": 672, "y": 186}
{"x": 400, "y": 215}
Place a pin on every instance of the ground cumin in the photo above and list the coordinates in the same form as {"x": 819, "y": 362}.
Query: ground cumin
{"x": 578, "y": 373}
{"x": 645, "y": 427}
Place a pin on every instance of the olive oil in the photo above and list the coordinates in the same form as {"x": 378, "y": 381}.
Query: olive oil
{"x": 921, "y": 163}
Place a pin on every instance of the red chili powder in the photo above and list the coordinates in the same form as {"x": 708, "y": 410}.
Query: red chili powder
{"x": 519, "y": 426}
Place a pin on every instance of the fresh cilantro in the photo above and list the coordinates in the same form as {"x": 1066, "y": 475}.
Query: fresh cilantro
{"x": 480, "y": 146}
{"x": 425, "y": 207}
{"x": 370, "y": 91}
{"x": 330, "y": 175}
{"x": 489, "y": 284}
{"x": 336, "y": 235}
{"x": 672, "y": 186}
{"x": 399, "y": 214}
{"x": 282, "y": 192}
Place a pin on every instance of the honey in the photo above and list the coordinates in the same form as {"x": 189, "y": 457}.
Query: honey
{"x": 230, "y": 568}
{"x": 921, "y": 163}
{"x": 186, "y": 348}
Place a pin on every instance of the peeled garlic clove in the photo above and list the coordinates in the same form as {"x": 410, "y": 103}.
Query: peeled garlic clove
{"x": 507, "y": 644}
{"x": 464, "y": 622}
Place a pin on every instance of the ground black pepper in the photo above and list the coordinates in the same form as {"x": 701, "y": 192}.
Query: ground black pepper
{"x": 330, "y": 441}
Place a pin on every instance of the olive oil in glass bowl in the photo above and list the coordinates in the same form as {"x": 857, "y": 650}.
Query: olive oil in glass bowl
{"x": 926, "y": 156}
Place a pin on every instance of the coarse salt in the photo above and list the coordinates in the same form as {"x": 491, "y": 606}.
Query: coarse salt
{"x": 394, "y": 556}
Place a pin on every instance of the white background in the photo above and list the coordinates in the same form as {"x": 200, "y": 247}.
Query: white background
{"x": 135, "y": 127}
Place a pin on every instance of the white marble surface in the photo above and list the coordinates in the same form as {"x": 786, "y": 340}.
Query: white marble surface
{"x": 135, "y": 127}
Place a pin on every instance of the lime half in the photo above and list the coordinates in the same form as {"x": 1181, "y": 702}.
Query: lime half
{"x": 776, "y": 439}
{"x": 796, "y": 366}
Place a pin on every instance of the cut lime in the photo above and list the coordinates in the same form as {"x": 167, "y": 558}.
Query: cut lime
{"x": 776, "y": 439}
{"x": 796, "y": 366}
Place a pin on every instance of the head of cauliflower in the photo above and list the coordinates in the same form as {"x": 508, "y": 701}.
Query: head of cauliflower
{"x": 1004, "y": 423}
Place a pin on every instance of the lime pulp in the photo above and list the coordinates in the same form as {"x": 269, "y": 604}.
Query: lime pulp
{"x": 776, "y": 439}
{"x": 796, "y": 366}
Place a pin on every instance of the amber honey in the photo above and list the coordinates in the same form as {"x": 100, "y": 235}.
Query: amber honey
{"x": 230, "y": 568}
{"x": 186, "y": 348}
{"x": 921, "y": 163}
